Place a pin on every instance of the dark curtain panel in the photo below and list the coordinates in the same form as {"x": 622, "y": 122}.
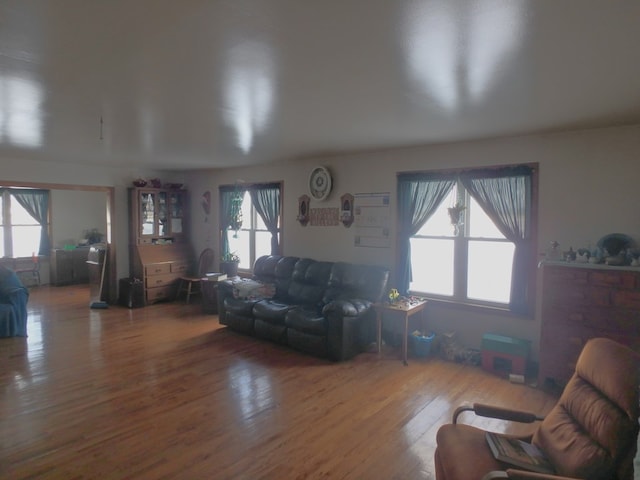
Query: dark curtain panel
{"x": 507, "y": 201}
{"x": 226, "y": 197}
{"x": 36, "y": 203}
{"x": 418, "y": 198}
{"x": 266, "y": 200}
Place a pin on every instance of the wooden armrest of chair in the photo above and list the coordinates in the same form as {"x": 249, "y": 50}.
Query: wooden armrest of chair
{"x": 497, "y": 412}
{"x": 514, "y": 474}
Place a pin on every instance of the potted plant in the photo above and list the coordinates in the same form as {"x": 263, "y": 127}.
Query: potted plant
{"x": 229, "y": 264}
{"x": 93, "y": 235}
{"x": 455, "y": 214}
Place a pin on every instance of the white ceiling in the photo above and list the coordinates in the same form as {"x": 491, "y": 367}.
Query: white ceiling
{"x": 194, "y": 83}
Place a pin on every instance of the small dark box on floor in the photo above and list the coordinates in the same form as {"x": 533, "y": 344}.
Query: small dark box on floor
{"x": 131, "y": 293}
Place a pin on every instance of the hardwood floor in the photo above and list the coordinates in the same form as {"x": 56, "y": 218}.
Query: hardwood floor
{"x": 166, "y": 392}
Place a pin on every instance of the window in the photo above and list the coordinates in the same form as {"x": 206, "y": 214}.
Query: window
{"x": 20, "y": 233}
{"x": 486, "y": 257}
{"x": 252, "y": 240}
{"x": 478, "y": 243}
{"x": 253, "y": 229}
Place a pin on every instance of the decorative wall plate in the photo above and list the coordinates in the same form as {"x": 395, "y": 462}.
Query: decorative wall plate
{"x": 320, "y": 183}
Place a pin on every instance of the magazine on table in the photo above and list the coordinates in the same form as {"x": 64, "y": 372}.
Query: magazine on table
{"x": 518, "y": 453}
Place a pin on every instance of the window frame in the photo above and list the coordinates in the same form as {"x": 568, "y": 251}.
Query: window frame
{"x": 253, "y": 220}
{"x": 7, "y": 225}
{"x": 461, "y": 242}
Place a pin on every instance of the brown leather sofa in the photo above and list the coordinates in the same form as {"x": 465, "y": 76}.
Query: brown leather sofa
{"x": 321, "y": 308}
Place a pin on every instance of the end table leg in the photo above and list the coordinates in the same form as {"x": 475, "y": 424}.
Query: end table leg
{"x": 404, "y": 339}
{"x": 379, "y": 328}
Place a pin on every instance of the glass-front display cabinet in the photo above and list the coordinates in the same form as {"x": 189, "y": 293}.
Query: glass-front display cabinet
{"x": 159, "y": 215}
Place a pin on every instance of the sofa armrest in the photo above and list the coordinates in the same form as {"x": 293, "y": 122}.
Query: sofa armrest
{"x": 346, "y": 327}
{"x": 347, "y": 308}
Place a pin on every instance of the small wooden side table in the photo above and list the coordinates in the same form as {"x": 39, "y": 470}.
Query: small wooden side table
{"x": 402, "y": 310}
{"x": 209, "y": 295}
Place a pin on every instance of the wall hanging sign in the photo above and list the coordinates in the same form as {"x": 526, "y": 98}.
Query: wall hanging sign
{"x": 372, "y": 220}
{"x": 324, "y": 217}
{"x": 303, "y": 210}
{"x": 320, "y": 183}
{"x": 205, "y": 201}
{"x": 346, "y": 209}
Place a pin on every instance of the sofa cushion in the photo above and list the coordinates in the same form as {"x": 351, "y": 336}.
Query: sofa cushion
{"x": 271, "y": 311}
{"x": 309, "y": 281}
{"x": 239, "y": 323}
{"x": 239, "y": 306}
{"x": 270, "y": 331}
{"x": 349, "y": 281}
{"x": 306, "y": 342}
{"x": 306, "y": 320}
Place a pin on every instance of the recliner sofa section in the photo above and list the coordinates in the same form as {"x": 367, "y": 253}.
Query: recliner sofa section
{"x": 321, "y": 308}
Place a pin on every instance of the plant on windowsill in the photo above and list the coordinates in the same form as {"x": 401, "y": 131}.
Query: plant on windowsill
{"x": 455, "y": 214}
{"x": 229, "y": 264}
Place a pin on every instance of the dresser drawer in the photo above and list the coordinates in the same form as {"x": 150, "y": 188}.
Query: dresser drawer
{"x": 578, "y": 295}
{"x": 154, "y": 281}
{"x": 166, "y": 292}
{"x": 624, "y": 280}
{"x": 157, "y": 268}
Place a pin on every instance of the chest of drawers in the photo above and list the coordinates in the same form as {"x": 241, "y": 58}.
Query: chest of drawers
{"x": 160, "y": 267}
{"x": 580, "y": 302}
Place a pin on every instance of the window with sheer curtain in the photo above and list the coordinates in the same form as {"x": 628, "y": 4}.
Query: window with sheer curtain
{"x": 252, "y": 240}
{"x": 259, "y": 233}
{"x": 485, "y": 258}
{"x": 21, "y": 233}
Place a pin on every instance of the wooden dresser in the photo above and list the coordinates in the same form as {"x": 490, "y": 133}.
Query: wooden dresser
{"x": 583, "y": 301}
{"x": 69, "y": 266}
{"x": 159, "y": 248}
{"x": 160, "y": 267}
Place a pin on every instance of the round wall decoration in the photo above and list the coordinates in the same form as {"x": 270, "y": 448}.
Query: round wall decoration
{"x": 320, "y": 183}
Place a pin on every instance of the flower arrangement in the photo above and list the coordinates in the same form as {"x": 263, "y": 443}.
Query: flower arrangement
{"x": 393, "y": 295}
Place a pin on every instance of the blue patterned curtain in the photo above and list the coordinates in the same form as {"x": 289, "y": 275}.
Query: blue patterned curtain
{"x": 36, "y": 203}
{"x": 419, "y": 196}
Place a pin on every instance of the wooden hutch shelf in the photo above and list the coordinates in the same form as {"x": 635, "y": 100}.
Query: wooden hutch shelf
{"x": 160, "y": 250}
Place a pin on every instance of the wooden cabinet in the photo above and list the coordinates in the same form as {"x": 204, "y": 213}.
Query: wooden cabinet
{"x": 580, "y": 302}
{"x": 159, "y": 267}
{"x": 69, "y": 266}
{"x": 160, "y": 251}
{"x": 158, "y": 216}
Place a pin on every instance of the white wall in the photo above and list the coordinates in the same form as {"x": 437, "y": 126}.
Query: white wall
{"x": 75, "y": 211}
{"x": 25, "y": 170}
{"x": 588, "y": 188}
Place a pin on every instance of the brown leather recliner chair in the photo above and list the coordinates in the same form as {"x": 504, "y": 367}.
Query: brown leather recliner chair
{"x": 591, "y": 433}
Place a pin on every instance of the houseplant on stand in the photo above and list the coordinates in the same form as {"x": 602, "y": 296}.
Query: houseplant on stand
{"x": 229, "y": 264}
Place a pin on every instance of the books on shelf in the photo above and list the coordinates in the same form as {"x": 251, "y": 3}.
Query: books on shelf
{"x": 518, "y": 453}
{"x": 215, "y": 276}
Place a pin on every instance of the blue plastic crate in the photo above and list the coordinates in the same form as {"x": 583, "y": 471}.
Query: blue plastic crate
{"x": 421, "y": 345}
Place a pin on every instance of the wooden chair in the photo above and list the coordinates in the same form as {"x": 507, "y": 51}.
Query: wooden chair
{"x": 590, "y": 433}
{"x": 192, "y": 284}
{"x": 34, "y": 269}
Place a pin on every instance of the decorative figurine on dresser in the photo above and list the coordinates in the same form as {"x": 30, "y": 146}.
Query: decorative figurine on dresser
{"x": 159, "y": 245}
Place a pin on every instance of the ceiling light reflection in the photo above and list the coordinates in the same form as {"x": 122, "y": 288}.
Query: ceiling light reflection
{"x": 248, "y": 94}
{"x": 20, "y": 112}
{"x": 454, "y": 51}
